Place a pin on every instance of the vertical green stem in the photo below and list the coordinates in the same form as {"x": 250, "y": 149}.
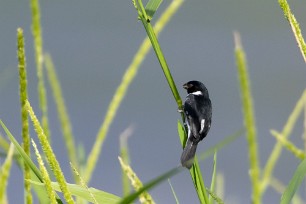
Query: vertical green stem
{"x": 163, "y": 63}
{"x": 195, "y": 171}
{"x": 249, "y": 119}
{"x": 24, "y": 114}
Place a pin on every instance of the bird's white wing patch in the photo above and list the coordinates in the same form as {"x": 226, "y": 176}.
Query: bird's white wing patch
{"x": 189, "y": 131}
{"x": 202, "y": 126}
{"x": 197, "y": 93}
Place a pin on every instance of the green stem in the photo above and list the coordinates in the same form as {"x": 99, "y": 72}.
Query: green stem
{"x": 195, "y": 171}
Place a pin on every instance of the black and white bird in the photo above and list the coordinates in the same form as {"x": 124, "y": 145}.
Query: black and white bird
{"x": 198, "y": 112}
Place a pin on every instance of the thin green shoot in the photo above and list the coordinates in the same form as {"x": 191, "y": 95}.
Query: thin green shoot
{"x": 173, "y": 192}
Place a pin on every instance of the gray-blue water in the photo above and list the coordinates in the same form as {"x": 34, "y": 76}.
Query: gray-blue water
{"x": 93, "y": 42}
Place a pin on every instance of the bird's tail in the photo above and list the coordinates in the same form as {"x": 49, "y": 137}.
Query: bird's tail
{"x": 188, "y": 154}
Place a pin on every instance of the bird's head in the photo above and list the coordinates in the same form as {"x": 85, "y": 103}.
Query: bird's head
{"x": 196, "y": 88}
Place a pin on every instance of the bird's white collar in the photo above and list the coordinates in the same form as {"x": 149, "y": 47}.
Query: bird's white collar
{"x": 197, "y": 93}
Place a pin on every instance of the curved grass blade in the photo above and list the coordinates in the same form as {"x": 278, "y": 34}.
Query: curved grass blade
{"x": 295, "y": 182}
{"x": 26, "y": 158}
{"x": 86, "y": 194}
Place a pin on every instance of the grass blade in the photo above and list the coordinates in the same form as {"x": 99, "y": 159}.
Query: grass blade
{"x": 22, "y": 153}
{"x": 79, "y": 191}
{"x": 280, "y": 188}
{"x": 294, "y": 183}
{"x": 36, "y": 173}
{"x": 151, "y": 7}
{"x": 173, "y": 192}
{"x": 249, "y": 119}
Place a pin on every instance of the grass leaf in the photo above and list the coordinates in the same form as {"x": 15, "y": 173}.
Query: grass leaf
{"x": 151, "y": 7}
{"x": 294, "y": 183}
{"x": 79, "y": 191}
{"x": 36, "y": 176}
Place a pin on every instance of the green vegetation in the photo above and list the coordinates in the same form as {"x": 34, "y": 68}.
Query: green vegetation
{"x": 38, "y": 180}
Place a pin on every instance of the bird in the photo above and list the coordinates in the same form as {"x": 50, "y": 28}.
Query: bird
{"x": 198, "y": 112}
